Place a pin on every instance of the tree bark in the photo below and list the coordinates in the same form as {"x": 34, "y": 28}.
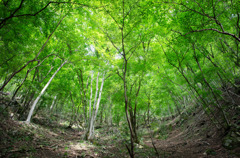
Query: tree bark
{"x": 43, "y": 46}
{"x": 51, "y": 107}
{"x": 42, "y": 92}
{"x": 95, "y": 108}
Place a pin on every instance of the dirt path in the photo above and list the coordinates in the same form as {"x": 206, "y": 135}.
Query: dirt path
{"x": 44, "y": 139}
{"x": 48, "y": 140}
{"x": 180, "y": 146}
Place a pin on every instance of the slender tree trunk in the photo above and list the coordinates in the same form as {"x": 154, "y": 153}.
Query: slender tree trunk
{"x": 90, "y": 111}
{"x": 131, "y": 149}
{"x": 13, "y": 97}
{"x": 73, "y": 117}
{"x": 84, "y": 101}
{"x": 148, "y": 112}
{"x": 90, "y": 101}
{"x": 95, "y": 109}
{"x": 56, "y": 105}
{"x": 19, "y": 70}
{"x": 51, "y": 107}
{"x": 175, "y": 102}
{"x": 62, "y": 104}
{"x": 193, "y": 88}
{"x": 110, "y": 113}
{"x": 214, "y": 95}
{"x": 42, "y": 92}
{"x": 101, "y": 114}
{"x": 83, "y": 95}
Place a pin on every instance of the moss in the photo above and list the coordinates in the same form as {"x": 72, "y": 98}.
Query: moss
{"x": 210, "y": 152}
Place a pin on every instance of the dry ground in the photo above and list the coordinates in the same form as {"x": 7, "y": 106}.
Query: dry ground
{"x": 195, "y": 138}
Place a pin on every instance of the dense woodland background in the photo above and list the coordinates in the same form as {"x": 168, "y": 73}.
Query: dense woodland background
{"x": 128, "y": 64}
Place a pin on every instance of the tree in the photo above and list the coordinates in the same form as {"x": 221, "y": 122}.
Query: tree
{"x": 42, "y": 92}
{"x": 93, "y": 113}
{"x": 165, "y": 57}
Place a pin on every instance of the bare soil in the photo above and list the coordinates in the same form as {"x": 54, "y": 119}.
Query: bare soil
{"x": 195, "y": 137}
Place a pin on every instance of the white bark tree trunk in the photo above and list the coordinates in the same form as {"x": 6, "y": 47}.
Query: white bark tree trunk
{"x": 95, "y": 108}
{"x": 53, "y": 103}
{"x": 42, "y": 92}
{"x": 90, "y": 101}
{"x": 92, "y": 113}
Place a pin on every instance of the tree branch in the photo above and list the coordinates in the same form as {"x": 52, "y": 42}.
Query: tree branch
{"x": 110, "y": 40}
{"x": 238, "y": 26}
{"x": 131, "y": 29}
{"x": 119, "y": 75}
{"x": 212, "y": 29}
{"x": 34, "y": 14}
{"x": 11, "y": 16}
{"x": 112, "y": 17}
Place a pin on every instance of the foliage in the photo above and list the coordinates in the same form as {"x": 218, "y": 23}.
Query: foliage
{"x": 176, "y": 53}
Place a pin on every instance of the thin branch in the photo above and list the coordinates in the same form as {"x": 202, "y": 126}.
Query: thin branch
{"x": 34, "y": 14}
{"x": 51, "y": 2}
{"x": 212, "y": 29}
{"x": 132, "y": 29}
{"x": 28, "y": 71}
{"x": 110, "y": 39}
{"x": 203, "y": 14}
{"x": 235, "y": 53}
{"x": 11, "y": 16}
{"x": 119, "y": 75}
{"x": 213, "y": 7}
{"x": 46, "y": 74}
{"x": 238, "y": 26}
{"x": 199, "y": 6}
{"x": 183, "y": 56}
{"x": 6, "y": 62}
{"x": 134, "y": 47}
{"x": 49, "y": 37}
{"x": 130, "y": 9}
{"x": 30, "y": 61}
{"x": 207, "y": 15}
{"x": 107, "y": 77}
{"x": 112, "y": 17}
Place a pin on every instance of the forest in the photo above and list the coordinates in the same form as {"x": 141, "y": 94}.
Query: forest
{"x": 120, "y": 78}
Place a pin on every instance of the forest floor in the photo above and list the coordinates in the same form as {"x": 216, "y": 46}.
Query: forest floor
{"x": 193, "y": 137}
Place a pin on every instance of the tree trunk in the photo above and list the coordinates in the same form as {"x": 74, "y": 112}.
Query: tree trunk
{"x": 51, "y": 107}
{"x": 90, "y": 111}
{"x": 43, "y": 46}
{"x": 101, "y": 115}
{"x": 148, "y": 111}
{"x": 110, "y": 113}
{"x": 42, "y": 92}
{"x": 73, "y": 117}
{"x": 95, "y": 109}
